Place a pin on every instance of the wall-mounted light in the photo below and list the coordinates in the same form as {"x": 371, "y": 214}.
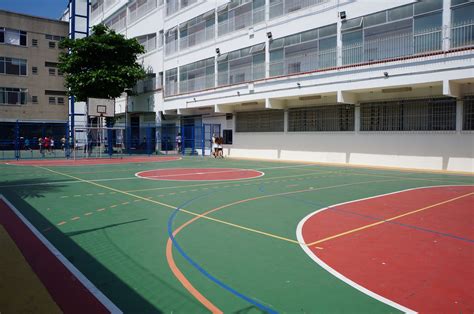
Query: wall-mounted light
{"x": 238, "y": 93}
{"x": 385, "y": 74}
{"x": 218, "y": 51}
{"x": 298, "y": 84}
{"x": 342, "y": 15}
{"x": 269, "y": 35}
{"x": 194, "y": 98}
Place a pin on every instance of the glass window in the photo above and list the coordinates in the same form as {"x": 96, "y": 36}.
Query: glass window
{"x": 350, "y": 24}
{"x": 425, "y": 6}
{"x": 52, "y": 100}
{"x": 2, "y": 65}
{"x": 375, "y": 19}
{"x": 400, "y": 13}
{"x": 427, "y": 23}
{"x": 463, "y": 15}
{"x": 2, "y": 35}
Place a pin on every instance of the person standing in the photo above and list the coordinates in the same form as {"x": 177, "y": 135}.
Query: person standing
{"x": 214, "y": 145}
{"x": 178, "y": 142}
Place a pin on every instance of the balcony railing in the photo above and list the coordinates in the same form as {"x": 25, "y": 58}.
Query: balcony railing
{"x": 198, "y": 83}
{"x": 241, "y": 74}
{"x": 197, "y": 38}
{"x": 392, "y": 47}
{"x": 171, "y": 47}
{"x": 304, "y": 63}
{"x": 241, "y": 21}
{"x": 462, "y": 35}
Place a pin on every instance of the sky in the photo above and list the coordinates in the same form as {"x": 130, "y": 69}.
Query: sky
{"x": 52, "y": 9}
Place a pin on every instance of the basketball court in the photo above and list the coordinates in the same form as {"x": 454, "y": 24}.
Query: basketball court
{"x": 197, "y": 234}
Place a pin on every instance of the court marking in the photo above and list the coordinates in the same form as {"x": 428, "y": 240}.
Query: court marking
{"x": 86, "y": 283}
{"x": 199, "y": 171}
{"x": 306, "y": 247}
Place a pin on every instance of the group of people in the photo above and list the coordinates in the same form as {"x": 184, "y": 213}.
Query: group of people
{"x": 217, "y": 150}
{"x": 46, "y": 143}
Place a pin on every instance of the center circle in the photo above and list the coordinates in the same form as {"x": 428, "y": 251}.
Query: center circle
{"x": 199, "y": 174}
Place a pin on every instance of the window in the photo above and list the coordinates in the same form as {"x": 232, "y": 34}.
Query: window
{"x": 34, "y": 42}
{"x": 468, "y": 114}
{"x": 260, "y": 121}
{"x": 118, "y": 21}
{"x": 171, "y": 82}
{"x": 239, "y": 14}
{"x": 393, "y": 33}
{"x": 52, "y": 44}
{"x": 148, "y": 42}
{"x": 280, "y": 7}
{"x": 52, "y": 71}
{"x": 244, "y": 65}
{"x": 12, "y": 66}
{"x": 51, "y": 64}
{"x": 34, "y": 99}
{"x": 171, "y": 41}
{"x": 34, "y": 70}
{"x": 160, "y": 39}
{"x": 321, "y": 119}
{"x": 303, "y": 52}
{"x": 196, "y": 76}
{"x": 52, "y": 100}
{"x": 140, "y": 8}
{"x": 60, "y": 100}
{"x": 13, "y": 96}
{"x": 12, "y": 37}
{"x": 197, "y": 30}
{"x": 227, "y": 136}
{"x": 462, "y": 25}
{"x": 60, "y": 73}
{"x": 409, "y": 115}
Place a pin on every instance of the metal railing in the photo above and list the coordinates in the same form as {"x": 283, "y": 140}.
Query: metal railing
{"x": 198, "y": 83}
{"x": 278, "y": 8}
{"x": 171, "y": 47}
{"x": 392, "y": 47}
{"x": 141, "y": 9}
{"x": 171, "y": 88}
{"x": 197, "y": 37}
{"x": 241, "y": 21}
{"x": 462, "y": 35}
{"x": 241, "y": 74}
{"x": 304, "y": 63}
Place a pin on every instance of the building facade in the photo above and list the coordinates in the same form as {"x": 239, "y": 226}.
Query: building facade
{"x": 31, "y": 86}
{"x": 384, "y": 83}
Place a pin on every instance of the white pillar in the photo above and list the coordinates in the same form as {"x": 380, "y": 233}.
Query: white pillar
{"x": 357, "y": 119}
{"x": 446, "y": 35}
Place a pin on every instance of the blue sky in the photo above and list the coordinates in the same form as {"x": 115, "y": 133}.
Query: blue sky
{"x": 45, "y": 8}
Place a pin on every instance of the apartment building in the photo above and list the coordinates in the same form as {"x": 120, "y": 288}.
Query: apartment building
{"x": 385, "y": 83}
{"x": 31, "y": 85}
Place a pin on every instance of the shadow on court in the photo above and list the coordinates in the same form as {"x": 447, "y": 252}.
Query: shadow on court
{"x": 119, "y": 292}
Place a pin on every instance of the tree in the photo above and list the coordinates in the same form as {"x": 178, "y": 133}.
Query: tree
{"x": 101, "y": 65}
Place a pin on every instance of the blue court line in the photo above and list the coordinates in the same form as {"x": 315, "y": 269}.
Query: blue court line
{"x": 449, "y": 235}
{"x": 202, "y": 270}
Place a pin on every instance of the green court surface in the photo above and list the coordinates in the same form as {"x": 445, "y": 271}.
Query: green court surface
{"x": 245, "y": 257}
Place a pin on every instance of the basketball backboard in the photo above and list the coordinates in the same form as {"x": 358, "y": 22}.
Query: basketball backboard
{"x": 100, "y": 107}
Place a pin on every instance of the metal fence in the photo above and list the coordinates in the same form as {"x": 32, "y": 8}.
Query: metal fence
{"x": 331, "y": 118}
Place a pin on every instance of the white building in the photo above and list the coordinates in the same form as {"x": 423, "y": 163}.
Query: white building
{"x": 382, "y": 83}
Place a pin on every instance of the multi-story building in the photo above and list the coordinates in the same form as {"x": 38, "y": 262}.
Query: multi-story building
{"x": 385, "y": 83}
{"x": 31, "y": 85}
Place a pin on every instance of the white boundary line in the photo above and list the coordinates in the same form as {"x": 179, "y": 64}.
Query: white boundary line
{"x": 72, "y": 165}
{"x": 83, "y": 279}
{"x": 304, "y": 246}
{"x": 158, "y": 178}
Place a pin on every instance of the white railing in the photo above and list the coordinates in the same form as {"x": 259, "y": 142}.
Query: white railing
{"x": 392, "y": 47}
{"x": 139, "y": 9}
{"x": 171, "y": 88}
{"x": 236, "y": 22}
{"x": 97, "y": 12}
{"x": 240, "y": 74}
{"x": 304, "y": 63}
{"x": 196, "y": 84}
{"x": 197, "y": 37}
{"x": 278, "y": 8}
{"x": 462, "y": 35}
{"x": 171, "y": 47}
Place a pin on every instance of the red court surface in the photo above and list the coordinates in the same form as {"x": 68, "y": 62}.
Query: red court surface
{"x": 199, "y": 174}
{"x": 90, "y": 161}
{"x": 64, "y": 287}
{"x": 414, "y": 247}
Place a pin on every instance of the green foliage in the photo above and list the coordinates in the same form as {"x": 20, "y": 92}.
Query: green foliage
{"x": 101, "y": 65}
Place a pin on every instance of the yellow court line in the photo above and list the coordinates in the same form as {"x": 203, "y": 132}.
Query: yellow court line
{"x": 387, "y": 220}
{"x": 214, "y": 219}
